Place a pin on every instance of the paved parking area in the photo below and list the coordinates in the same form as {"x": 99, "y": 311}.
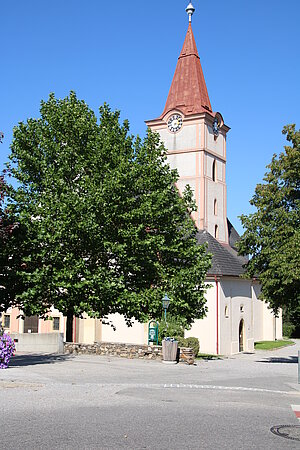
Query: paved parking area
{"x": 93, "y": 402}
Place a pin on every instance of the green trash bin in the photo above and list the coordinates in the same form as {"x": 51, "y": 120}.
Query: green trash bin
{"x": 169, "y": 350}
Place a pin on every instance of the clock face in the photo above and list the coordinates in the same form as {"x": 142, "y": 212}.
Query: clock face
{"x": 175, "y": 123}
{"x": 216, "y": 126}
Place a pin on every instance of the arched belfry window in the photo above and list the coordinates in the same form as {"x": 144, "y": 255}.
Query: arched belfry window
{"x": 214, "y": 171}
{"x": 216, "y": 231}
{"x": 215, "y": 207}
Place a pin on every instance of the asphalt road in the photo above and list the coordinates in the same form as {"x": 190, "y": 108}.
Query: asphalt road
{"x": 92, "y": 402}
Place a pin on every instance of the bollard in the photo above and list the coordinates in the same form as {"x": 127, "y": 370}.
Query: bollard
{"x": 298, "y": 367}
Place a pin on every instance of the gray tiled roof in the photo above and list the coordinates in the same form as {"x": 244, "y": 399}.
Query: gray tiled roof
{"x": 225, "y": 261}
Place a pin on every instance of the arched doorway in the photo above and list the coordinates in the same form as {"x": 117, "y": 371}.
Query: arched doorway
{"x": 241, "y": 335}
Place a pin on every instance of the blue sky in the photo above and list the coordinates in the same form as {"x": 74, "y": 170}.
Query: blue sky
{"x": 125, "y": 53}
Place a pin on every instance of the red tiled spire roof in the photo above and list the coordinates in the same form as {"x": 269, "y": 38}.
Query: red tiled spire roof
{"x": 188, "y": 91}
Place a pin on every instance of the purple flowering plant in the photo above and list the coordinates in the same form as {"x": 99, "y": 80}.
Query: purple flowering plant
{"x": 7, "y": 349}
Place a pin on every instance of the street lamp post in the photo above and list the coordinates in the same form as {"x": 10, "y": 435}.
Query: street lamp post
{"x": 165, "y": 303}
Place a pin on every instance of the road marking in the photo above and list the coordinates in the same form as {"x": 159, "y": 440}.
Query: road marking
{"x": 229, "y": 388}
{"x": 296, "y": 409}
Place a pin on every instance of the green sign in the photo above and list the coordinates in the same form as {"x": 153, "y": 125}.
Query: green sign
{"x": 153, "y": 332}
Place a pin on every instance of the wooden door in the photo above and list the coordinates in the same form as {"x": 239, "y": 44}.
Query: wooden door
{"x": 31, "y": 324}
{"x": 241, "y": 336}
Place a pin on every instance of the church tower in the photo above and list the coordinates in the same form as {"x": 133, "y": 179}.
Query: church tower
{"x": 195, "y": 138}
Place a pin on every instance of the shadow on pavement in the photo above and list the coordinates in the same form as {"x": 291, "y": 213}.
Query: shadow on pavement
{"x": 280, "y": 360}
{"x": 35, "y": 359}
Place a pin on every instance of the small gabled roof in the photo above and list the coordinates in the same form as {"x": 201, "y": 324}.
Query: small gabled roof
{"x": 225, "y": 261}
{"x": 188, "y": 91}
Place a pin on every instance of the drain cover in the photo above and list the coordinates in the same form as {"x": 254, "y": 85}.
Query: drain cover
{"x": 287, "y": 431}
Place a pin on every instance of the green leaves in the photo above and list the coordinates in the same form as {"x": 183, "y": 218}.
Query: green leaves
{"x": 106, "y": 230}
{"x": 272, "y": 232}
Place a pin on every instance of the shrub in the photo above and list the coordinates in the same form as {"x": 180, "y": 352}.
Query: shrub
{"x": 193, "y": 343}
{"x": 291, "y": 322}
{"x": 7, "y": 349}
{"x": 288, "y": 329}
{"x": 170, "y": 328}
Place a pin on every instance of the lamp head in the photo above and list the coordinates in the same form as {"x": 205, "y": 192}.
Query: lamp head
{"x": 166, "y": 302}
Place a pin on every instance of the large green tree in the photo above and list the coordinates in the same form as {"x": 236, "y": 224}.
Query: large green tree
{"x": 272, "y": 233}
{"x": 11, "y": 241}
{"x": 106, "y": 230}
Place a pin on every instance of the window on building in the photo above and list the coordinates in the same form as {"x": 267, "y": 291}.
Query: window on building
{"x": 214, "y": 171}
{"x": 226, "y": 311}
{"x": 6, "y": 321}
{"x": 56, "y": 323}
{"x": 242, "y": 309}
{"x": 216, "y": 231}
{"x": 215, "y": 207}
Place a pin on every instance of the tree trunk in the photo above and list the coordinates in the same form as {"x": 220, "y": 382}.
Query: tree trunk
{"x": 69, "y": 330}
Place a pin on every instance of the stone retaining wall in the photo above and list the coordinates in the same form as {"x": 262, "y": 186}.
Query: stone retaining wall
{"x": 130, "y": 351}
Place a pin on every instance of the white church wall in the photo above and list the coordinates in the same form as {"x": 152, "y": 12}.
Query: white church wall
{"x": 225, "y": 321}
{"x": 181, "y": 184}
{"x": 258, "y": 308}
{"x": 220, "y": 165}
{"x": 269, "y": 324}
{"x": 88, "y": 329}
{"x": 279, "y": 334}
{"x": 185, "y": 163}
{"x": 205, "y": 329}
{"x": 137, "y": 334}
{"x": 214, "y": 191}
{"x": 215, "y": 145}
{"x": 238, "y": 294}
{"x": 186, "y": 138}
{"x": 267, "y": 327}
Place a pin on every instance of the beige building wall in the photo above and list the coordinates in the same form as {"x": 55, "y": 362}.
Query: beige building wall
{"x": 44, "y": 326}
{"x": 137, "y": 334}
{"x": 88, "y": 330}
{"x": 186, "y": 138}
{"x": 267, "y": 326}
{"x": 214, "y": 145}
{"x": 206, "y": 329}
{"x": 13, "y": 318}
{"x": 237, "y": 300}
{"x": 236, "y": 294}
{"x": 236, "y": 303}
{"x": 193, "y": 151}
{"x": 216, "y": 191}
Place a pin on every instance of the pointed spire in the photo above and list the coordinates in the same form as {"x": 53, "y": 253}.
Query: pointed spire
{"x": 188, "y": 91}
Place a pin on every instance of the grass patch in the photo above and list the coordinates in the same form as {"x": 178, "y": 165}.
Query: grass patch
{"x": 207, "y": 356}
{"x": 272, "y": 345}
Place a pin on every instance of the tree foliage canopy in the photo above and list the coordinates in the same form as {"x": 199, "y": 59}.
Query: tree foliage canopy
{"x": 106, "y": 230}
{"x": 272, "y": 236}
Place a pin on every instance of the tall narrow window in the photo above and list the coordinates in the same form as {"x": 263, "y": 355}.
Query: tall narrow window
{"x": 226, "y": 311}
{"x": 215, "y": 207}
{"x": 214, "y": 171}
{"x": 216, "y": 231}
{"x": 55, "y": 323}
{"x": 6, "y": 321}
